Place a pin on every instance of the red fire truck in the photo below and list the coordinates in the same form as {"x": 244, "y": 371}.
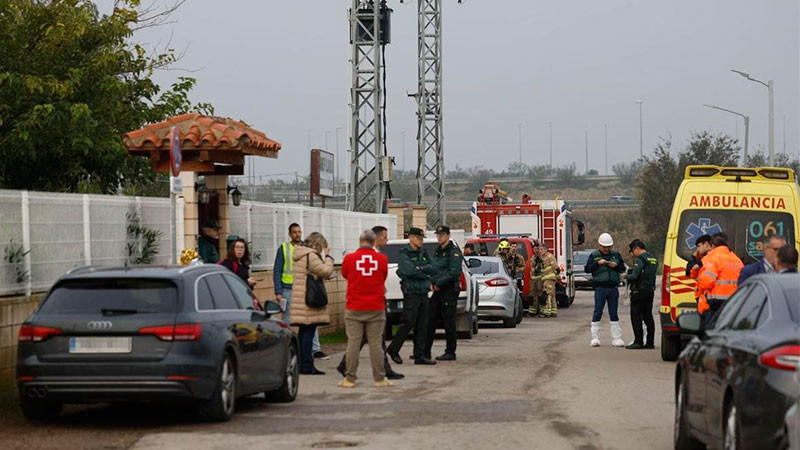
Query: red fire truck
{"x": 548, "y": 221}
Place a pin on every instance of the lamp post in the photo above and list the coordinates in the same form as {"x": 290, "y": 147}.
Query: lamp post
{"x": 770, "y": 92}
{"x": 605, "y": 138}
{"x": 641, "y": 138}
{"x": 586, "y": 133}
{"x": 520, "y": 143}
{"x": 338, "y": 172}
{"x": 746, "y": 127}
{"x": 551, "y": 143}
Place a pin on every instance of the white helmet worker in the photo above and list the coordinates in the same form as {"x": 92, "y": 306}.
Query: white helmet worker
{"x": 605, "y": 240}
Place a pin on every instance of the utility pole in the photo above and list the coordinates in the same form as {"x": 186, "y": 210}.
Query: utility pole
{"x": 520, "y": 143}
{"x": 771, "y": 93}
{"x": 551, "y": 144}
{"x": 605, "y": 133}
{"x": 403, "y": 133}
{"x": 366, "y": 188}
{"x": 586, "y": 132}
{"x": 641, "y": 136}
{"x": 338, "y": 171}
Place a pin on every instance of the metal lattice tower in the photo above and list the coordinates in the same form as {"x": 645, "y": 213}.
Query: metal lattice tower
{"x": 366, "y": 191}
{"x": 430, "y": 137}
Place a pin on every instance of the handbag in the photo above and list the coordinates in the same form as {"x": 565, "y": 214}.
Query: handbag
{"x": 316, "y": 295}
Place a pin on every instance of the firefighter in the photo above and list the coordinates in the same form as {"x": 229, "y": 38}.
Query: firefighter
{"x": 549, "y": 275}
{"x": 536, "y": 281}
{"x": 517, "y": 265}
{"x": 642, "y": 281}
{"x": 446, "y": 262}
{"x": 718, "y": 278}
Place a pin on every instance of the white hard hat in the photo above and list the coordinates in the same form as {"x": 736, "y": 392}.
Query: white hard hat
{"x": 605, "y": 240}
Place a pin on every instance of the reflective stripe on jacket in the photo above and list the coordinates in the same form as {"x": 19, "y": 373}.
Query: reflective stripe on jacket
{"x": 549, "y": 268}
{"x": 718, "y": 278}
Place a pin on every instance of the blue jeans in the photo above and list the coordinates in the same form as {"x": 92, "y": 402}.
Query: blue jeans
{"x": 603, "y": 295}
{"x": 306, "y": 336}
{"x": 287, "y": 295}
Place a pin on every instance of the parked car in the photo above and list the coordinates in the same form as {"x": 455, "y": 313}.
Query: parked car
{"x": 466, "y": 307}
{"x": 792, "y": 424}
{"x": 583, "y": 280}
{"x": 498, "y": 296}
{"x": 154, "y": 333}
{"x": 622, "y": 199}
{"x": 737, "y": 378}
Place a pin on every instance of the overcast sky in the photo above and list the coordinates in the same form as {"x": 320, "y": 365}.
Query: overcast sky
{"x": 282, "y": 66}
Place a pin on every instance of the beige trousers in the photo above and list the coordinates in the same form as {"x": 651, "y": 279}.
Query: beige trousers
{"x": 357, "y": 324}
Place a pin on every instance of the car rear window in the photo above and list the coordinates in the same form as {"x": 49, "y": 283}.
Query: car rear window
{"x": 793, "y": 302}
{"x": 93, "y": 296}
{"x": 486, "y": 268}
{"x": 580, "y": 259}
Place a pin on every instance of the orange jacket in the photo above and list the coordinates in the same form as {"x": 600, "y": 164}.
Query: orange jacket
{"x": 718, "y": 278}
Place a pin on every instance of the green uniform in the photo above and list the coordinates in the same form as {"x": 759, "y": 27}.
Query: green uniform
{"x": 207, "y": 250}
{"x": 413, "y": 267}
{"x": 642, "y": 276}
{"x": 642, "y": 281}
{"x": 447, "y": 263}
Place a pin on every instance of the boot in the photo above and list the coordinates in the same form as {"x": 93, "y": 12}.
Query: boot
{"x": 616, "y": 335}
{"x": 595, "y": 334}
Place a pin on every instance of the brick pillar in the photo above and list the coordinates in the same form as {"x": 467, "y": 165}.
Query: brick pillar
{"x": 419, "y": 217}
{"x": 399, "y": 211}
{"x": 190, "y": 212}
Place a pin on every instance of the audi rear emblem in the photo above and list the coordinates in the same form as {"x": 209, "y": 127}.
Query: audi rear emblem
{"x": 100, "y": 324}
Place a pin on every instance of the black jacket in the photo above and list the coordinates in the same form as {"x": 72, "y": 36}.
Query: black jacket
{"x": 413, "y": 267}
{"x": 447, "y": 262}
{"x": 242, "y": 270}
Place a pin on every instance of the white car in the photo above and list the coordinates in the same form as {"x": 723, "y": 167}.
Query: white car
{"x": 466, "y": 308}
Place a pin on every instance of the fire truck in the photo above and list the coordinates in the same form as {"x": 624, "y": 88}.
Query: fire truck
{"x": 496, "y": 216}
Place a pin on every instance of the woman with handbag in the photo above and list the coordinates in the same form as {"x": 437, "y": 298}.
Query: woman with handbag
{"x": 310, "y": 308}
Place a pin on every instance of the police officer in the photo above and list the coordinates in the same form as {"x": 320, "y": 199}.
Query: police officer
{"x": 447, "y": 262}
{"x": 642, "y": 281}
{"x": 549, "y": 275}
{"x": 536, "y": 281}
{"x": 413, "y": 268}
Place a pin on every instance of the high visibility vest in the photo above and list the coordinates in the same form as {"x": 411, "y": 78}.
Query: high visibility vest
{"x": 548, "y": 271}
{"x": 718, "y": 278}
{"x": 287, "y": 277}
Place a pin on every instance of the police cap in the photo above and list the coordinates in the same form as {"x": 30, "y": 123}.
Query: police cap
{"x": 413, "y": 231}
{"x": 442, "y": 229}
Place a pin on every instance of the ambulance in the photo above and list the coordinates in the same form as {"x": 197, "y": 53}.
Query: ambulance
{"x": 748, "y": 204}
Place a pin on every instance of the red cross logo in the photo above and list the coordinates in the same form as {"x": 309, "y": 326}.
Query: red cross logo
{"x": 366, "y": 265}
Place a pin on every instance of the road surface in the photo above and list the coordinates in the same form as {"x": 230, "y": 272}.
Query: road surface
{"x": 537, "y": 386}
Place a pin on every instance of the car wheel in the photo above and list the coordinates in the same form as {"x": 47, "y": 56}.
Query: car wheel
{"x": 39, "y": 410}
{"x": 510, "y": 323}
{"x": 520, "y": 312}
{"x": 683, "y": 438}
{"x": 475, "y": 325}
{"x": 291, "y": 378}
{"x": 562, "y": 300}
{"x": 731, "y": 440}
{"x": 670, "y": 347}
{"x": 220, "y": 407}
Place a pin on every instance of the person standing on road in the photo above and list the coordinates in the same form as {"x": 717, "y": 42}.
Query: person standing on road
{"x": 413, "y": 268}
{"x": 537, "y": 265}
{"x": 447, "y": 260}
{"x": 718, "y": 279}
{"x": 207, "y": 244}
{"x": 310, "y": 259}
{"x": 517, "y": 265}
{"x": 767, "y": 263}
{"x": 283, "y": 276}
{"x": 381, "y": 237}
{"x": 365, "y": 308}
{"x": 642, "y": 282}
{"x": 606, "y": 265}
{"x": 549, "y": 275}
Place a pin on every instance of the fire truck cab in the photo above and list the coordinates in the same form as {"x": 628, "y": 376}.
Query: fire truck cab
{"x": 547, "y": 221}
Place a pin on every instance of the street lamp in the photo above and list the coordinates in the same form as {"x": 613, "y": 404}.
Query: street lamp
{"x": 641, "y": 138}
{"x": 551, "y": 143}
{"x": 770, "y": 91}
{"x": 605, "y": 136}
{"x": 746, "y": 127}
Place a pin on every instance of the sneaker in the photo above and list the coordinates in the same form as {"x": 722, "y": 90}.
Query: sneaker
{"x": 321, "y": 355}
{"x": 446, "y": 357}
{"x": 346, "y": 384}
{"x": 384, "y": 383}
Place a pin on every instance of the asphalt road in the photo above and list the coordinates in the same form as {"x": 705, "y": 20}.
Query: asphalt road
{"x": 537, "y": 386}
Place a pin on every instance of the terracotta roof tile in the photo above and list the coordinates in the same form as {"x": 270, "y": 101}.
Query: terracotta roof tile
{"x": 199, "y": 132}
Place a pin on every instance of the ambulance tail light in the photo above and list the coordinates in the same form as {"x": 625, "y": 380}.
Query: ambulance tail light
{"x": 774, "y": 174}
{"x": 665, "y": 287}
{"x": 703, "y": 172}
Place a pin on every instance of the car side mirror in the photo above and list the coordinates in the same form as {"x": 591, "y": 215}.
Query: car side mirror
{"x": 581, "y": 232}
{"x": 473, "y": 263}
{"x": 691, "y": 323}
{"x": 271, "y": 308}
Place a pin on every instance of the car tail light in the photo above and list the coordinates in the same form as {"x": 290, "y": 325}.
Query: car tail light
{"x": 496, "y": 282}
{"x": 665, "y": 287}
{"x": 785, "y": 357}
{"x": 184, "y": 332}
{"x": 31, "y": 333}
{"x": 462, "y": 283}
{"x": 181, "y": 378}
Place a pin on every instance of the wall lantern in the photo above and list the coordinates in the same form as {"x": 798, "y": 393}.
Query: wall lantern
{"x": 236, "y": 195}
{"x": 203, "y": 195}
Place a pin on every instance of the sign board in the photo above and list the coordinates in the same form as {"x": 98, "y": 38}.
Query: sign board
{"x": 322, "y": 166}
{"x": 175, "y": 151}
{"x": 175, "y": 186}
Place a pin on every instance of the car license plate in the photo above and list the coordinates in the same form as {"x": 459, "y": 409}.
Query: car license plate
{"x": 100, "y": 345}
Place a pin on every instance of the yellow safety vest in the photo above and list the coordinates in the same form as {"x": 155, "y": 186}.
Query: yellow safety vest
{"x": 287, "y": 277}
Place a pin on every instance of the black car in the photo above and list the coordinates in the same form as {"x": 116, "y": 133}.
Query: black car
{"x": 154, "y": 333}
{"x": 737, "y": 378}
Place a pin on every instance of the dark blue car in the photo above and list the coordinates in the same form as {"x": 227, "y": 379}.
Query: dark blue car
{"x": 154, "y": 333}
{"x": 736, "y": 380}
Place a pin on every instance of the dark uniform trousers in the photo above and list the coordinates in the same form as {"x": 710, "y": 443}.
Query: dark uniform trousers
{"x": 443, "y": 307}
{"x": 415, "y": 317}
{"x": 642, "y": 312}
